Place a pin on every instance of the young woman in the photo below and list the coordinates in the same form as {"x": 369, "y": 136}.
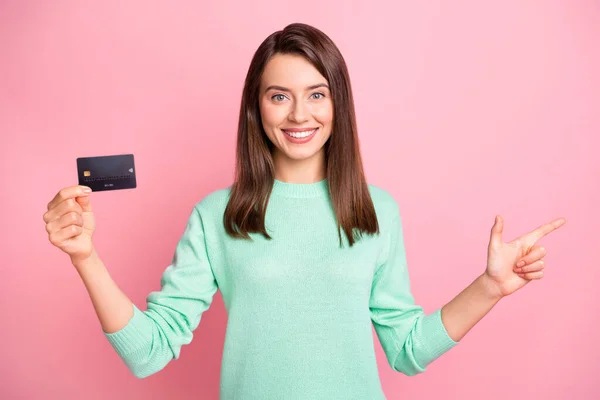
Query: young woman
{"x": 306, "y": 254}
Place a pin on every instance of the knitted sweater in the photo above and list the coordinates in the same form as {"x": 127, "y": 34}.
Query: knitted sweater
{"x": 299, "y": 307}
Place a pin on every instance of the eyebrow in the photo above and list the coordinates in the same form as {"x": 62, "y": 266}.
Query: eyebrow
{"x": 284, "y": 89}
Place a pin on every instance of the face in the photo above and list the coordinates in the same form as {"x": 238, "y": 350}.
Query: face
{"x": 296, "y": 109}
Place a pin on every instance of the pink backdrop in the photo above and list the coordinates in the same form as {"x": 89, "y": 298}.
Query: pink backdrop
{"x": 465, "y": 110}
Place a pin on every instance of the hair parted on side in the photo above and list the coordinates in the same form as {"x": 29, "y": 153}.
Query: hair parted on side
{"x": 254, "y": 169}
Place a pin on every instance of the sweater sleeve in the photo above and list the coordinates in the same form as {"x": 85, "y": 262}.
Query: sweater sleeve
{"x": 410, "y": 339}
{"x": 154, "y": 337}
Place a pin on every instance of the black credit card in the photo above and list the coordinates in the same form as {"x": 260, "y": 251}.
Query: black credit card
{"x": 107, "y": 172}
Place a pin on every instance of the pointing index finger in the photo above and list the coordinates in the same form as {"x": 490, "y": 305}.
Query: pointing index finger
{"x": 545, "y": 229}
{"x": 68, "y": 193}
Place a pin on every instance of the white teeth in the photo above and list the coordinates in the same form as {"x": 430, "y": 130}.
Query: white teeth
{"x": 300, "y": 135}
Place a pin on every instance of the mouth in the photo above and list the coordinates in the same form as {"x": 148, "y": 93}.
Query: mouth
{"x": 300, "y": 133}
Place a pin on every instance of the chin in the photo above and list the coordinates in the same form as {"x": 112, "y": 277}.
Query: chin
{"x": 301, "y": 155}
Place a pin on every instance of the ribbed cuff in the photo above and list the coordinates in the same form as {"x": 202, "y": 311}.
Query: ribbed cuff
{"x": 435, "y": 340}
{"x": 137, "y": 331}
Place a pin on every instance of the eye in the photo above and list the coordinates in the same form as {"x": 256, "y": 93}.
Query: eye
{"x": 278, "y": 97}
{"x": 318, "y": 94}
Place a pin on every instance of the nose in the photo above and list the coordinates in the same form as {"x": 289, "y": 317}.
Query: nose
{"x": 298, "y": 112}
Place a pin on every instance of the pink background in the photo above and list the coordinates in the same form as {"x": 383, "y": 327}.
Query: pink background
{"x": 464, "y": 109}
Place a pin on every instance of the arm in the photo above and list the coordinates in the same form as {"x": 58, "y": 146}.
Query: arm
{"x": 148, "y": 340}
{"x": 113, "y": 307}
{"x": 469, "y": 307}
{"x": 410, "y": 338}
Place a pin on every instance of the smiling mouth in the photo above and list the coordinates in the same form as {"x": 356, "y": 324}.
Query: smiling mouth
{"x": 299, "y": 134}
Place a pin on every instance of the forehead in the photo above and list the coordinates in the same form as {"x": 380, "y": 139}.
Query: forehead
{"x": 291, "y": 71}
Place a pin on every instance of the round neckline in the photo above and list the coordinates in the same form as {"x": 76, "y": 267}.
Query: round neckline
{"x": 300, "y": 190}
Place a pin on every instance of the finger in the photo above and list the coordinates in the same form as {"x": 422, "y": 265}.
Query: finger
{"x": 532, "y": 275}
{"x": 496, "y": 232}
{"x": 534, "y": 254}
{"x": 85, "y": 203}
{"x": 545, "y": 229}
{"x": 59, "y": 237}
{"x": 68, "y": 193}
{"x": 534, "y": 267}
{"x": 71, "y": 218}
{"x": 69, "y": 205}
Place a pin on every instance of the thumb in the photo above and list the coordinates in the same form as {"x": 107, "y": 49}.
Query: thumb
{"x": 496, "y": 233}
{"x": 84, "y": 202}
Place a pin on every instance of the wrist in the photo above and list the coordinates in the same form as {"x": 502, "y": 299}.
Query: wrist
{"x": 85, "y": 262}
{"x": 489, "y": 287}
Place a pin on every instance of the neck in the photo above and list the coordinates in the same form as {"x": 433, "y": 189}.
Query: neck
{"x": 308, "y": 170}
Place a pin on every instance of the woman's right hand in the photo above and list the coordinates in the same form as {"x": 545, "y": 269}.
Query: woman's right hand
{"x": 70, "y": 222}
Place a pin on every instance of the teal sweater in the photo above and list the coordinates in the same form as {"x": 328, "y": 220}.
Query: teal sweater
{"x": 299, "y": 307}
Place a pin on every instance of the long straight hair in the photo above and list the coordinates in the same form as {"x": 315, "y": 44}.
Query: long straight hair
{"x": 254, "y": 170}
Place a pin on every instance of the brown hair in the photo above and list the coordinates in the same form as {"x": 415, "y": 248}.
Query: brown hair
{"x": 254, "y": 171}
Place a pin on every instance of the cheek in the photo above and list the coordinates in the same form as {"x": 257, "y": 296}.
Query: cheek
{"x": 271, "y": 115}
{"x": 323, "y": 113}
{"x": 271, "y": 118}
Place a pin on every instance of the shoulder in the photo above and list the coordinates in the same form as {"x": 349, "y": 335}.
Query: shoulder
{"x": 384, "y": 202}
{"x": 214, "y": 203}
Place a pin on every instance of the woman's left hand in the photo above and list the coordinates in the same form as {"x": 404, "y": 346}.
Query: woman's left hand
{"x": 512, "y": 265}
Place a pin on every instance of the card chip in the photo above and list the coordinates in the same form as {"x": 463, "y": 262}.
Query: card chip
{"x": 86, "y": 173}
